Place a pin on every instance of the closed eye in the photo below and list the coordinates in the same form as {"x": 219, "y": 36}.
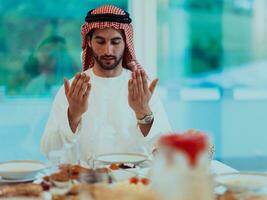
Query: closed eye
{"x": 100, "y": 42}
{"x": 116, "y": 41}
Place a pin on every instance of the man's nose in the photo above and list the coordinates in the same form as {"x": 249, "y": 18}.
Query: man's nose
{"x": 108, "y": 49}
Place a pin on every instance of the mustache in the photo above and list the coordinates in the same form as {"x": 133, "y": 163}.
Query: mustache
{"x": 108, "y": 57}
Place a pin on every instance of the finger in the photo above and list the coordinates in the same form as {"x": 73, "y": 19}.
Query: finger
{"x": 131, "y": 84}
{"x": 145, "y": 84}
{"x": 66, "y": 86}
{"x": 78, "y": 87}
{"x": 140, "y": 83}
{"x": 82, "y": 90}
{"x": 87, "y": 92}
{"x": 74, "y": 82}
{"x": 85, "y": 80}
{"x": 130, "y": 89}
{"x": 134, "y": 92}
{"x": 145, "y": 74}
{"x": 135, "y": 87}
{"x": 153, "y": 85}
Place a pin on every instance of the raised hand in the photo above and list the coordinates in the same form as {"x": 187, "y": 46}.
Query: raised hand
{"x": 139, "y": 93}
{"x": 77, "y": 95}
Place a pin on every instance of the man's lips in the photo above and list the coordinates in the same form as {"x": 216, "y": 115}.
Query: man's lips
{"x": 108, "y": 61}
{"x": 108, "y": 58}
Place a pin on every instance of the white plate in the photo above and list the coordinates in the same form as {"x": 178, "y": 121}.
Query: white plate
{"x": 20, "y": 169}
{"x": 239, "y": 182}
{"x": 118, "y": 158}
{"x": 2, "y": 180}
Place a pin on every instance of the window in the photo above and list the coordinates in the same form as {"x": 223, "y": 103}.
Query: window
{"x": 40, "y": 43}
{"x": 211, "y": 58}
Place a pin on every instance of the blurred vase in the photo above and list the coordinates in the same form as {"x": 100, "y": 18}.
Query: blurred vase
{"x": 181, "y": 168}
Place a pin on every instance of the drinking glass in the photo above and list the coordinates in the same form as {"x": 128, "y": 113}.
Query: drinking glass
{"x": 55, "y": 158}
{"x": 89, "y": 182}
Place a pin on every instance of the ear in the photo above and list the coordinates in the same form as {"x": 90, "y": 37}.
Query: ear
{"x": 89, "y": 42}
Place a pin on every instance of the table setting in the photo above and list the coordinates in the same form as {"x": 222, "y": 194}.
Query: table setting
{"x": 182, "y": 170}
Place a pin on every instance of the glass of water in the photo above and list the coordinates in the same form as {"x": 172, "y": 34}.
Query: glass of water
{"x": 55, "y": 158}
{"x": 90, "y": 181}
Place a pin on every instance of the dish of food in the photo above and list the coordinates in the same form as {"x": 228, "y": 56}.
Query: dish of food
{"x": 120, "y": 191}
{"x": 115, "y": 166}
{"x": 71, "y": 181}
{"x": 69, "y": 174}
{"x": 21, "y": 190}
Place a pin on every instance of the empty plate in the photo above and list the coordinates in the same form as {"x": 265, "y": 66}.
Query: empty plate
{"x": 118, "y": 158}
{"x": 20, "y": 169}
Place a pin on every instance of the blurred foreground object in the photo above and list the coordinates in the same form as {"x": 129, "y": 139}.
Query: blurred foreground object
{"x": 181, "y": 167}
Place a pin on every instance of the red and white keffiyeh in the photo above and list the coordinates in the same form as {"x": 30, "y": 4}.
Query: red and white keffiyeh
{"x": 129, "y": 59}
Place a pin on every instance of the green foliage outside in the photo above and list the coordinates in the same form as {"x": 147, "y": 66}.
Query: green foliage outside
{"x": 24, "y": 26}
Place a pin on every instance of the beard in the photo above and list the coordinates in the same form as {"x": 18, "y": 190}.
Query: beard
{"x": 107, "y": 62}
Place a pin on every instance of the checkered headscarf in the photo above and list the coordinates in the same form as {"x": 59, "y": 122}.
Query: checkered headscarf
{"x": 110, "y": 14}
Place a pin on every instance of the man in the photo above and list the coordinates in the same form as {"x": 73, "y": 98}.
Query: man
{"x": 110, "y": 107}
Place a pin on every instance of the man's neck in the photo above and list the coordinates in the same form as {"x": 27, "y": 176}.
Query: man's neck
{"x": 107, "y": 73}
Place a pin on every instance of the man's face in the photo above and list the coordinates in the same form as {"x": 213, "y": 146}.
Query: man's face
{"x": 108, "y": 47}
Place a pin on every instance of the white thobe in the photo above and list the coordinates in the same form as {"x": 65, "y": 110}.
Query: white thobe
{"x": 108, "y": 126}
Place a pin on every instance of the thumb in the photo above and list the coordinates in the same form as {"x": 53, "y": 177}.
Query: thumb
{"x": 153, "y": 85}
{"x": 66, "y": 85}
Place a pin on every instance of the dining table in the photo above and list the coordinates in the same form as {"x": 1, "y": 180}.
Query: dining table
{"x": 121, "y": 179}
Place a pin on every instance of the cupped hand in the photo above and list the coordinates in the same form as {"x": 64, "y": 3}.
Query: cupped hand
{"x": 77, "y": 94}
{"x": 139, "y": 93}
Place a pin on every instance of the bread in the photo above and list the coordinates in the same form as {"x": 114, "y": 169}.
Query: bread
{"x": 21, "y": 190}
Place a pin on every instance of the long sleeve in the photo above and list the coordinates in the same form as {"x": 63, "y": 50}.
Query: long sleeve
{"x": 109, "y": 124}
{"x": 57, "y": 132}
